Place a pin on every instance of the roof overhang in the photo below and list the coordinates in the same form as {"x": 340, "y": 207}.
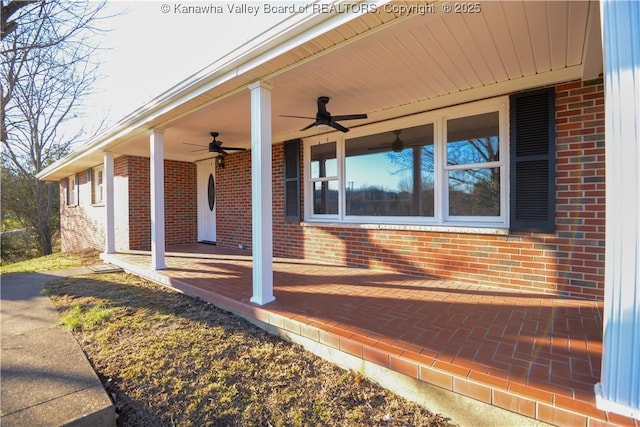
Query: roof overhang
{"x": 365, "y": 62}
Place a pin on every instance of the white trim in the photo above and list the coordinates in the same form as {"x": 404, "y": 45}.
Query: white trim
{"x": 408, "y": 227}
{"x": 612, "y": 406}
{"x": 619, "y": 387}
{"x": 156, "y": 148}
{"x": 110, "y": 235}
{"x": 261, "y": 193}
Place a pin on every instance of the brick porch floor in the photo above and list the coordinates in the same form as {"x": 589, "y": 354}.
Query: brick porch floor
{"x": 538, "y": 355}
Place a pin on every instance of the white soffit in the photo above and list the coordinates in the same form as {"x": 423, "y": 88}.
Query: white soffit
{"x": 381, "y": 64}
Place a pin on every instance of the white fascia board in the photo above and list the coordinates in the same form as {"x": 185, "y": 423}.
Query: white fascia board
{"x": 279, "y": 39}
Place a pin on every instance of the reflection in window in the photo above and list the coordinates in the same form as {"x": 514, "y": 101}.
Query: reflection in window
{"x": 474, "y": 192}
{"x": 324, "y": 178}
{"x": 391, "y": 173}
{"x": 325, "y": 197}
{"x": 323, "y": 160}
{"x": 473, "y": 139}
{"x": 473, "y": 158}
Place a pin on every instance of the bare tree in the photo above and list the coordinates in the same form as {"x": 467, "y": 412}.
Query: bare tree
{"x": 48, "y": 71}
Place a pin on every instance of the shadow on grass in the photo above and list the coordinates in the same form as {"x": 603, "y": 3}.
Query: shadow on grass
{"x": 172, "y": 359}
{"x": 154, "y": 331}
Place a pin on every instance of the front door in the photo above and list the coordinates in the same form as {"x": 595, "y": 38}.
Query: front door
{"x": 207, "y": 201}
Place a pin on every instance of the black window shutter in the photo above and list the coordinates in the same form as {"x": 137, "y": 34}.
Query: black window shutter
{"x": 533, "y": 146}
{"x": 292, "y": 180}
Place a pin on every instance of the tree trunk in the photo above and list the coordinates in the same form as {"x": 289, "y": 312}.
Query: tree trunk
{"x": 43, "y": 216}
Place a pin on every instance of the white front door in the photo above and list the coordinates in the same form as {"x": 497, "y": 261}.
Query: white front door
{"x": 207, "y": 201}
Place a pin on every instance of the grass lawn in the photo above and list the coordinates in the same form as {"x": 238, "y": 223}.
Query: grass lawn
{"x": 170, "y": 359}
{"x": 56, "y": 261}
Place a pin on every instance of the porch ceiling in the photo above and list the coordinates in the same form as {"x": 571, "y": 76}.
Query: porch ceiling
{"x": 387, "y": 65}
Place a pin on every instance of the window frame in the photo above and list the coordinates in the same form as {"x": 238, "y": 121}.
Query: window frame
{"x": 310, "y": 181}
{"x": 96, "y": 185}
{"x": 441, "y": 192}
{"x": 73, "y": 190}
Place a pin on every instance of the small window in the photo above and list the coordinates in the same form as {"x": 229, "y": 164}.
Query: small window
{"x": 72, "y": 190}
{"x": 98, "y": 185}
{"x": 324, "y": 179}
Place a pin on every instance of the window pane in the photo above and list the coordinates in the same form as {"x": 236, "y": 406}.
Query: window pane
{"x": 98, "y": 190}
{"x": 325, "y": 197}
{"x": 323, "y": 160}
{"x": 391, "y": 173}
{"x": 473, "y": 139}
{"x": 474, "y": 192}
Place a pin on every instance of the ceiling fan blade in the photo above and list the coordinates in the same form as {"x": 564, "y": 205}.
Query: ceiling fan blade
{"x": 338, "y": 126}
{"x": 195, "y": 145}
{"x": 308, "y": 127}
{"x": 234, "y": 148}
{"x": 298, "y": 117}
{"x": 350, "y": 117}
{"x": 202, "y": 149}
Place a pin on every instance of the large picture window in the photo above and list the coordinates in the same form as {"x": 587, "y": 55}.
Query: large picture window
{"x": 440, "y": 168}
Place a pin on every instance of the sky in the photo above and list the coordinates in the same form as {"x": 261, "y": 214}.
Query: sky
{"x": 153, "y": 45}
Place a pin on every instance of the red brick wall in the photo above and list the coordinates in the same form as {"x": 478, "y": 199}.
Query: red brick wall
{"x": 81, "y": 225}
{"x": 181, "y": 220}
{"x": 233, "y": 214}
{"x": 233, "y": 195}
{"x": 569, "y": 261}
{"x": 137, "y": 172}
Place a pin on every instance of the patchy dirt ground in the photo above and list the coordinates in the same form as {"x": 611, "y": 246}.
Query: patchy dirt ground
{"x": 169, "y": 359}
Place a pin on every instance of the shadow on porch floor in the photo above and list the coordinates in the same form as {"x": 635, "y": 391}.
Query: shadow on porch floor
{"x": 534, "y": 354}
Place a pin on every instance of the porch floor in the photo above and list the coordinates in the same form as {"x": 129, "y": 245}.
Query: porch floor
{"x": 535, "y": 354}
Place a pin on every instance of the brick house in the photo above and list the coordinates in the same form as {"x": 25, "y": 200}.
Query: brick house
{"x": 481, "y": 159}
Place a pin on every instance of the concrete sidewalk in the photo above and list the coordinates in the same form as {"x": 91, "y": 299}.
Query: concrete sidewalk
{"x": 46, "y": 378}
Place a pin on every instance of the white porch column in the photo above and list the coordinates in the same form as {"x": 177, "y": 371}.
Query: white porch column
{"x": 619, "y": 388}
{"x": 110, "y": 232}
{"x": 261, "y": 193}
{"x": 156, "y": 149}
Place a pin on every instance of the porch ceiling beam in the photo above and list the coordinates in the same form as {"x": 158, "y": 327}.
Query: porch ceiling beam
{"x": 619, "y": 388}
{"x": 261, "y": 193}
{"x": 156, "y": 148}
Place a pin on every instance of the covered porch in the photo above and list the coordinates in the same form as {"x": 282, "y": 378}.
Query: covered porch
{"x": 537, "y": 355}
